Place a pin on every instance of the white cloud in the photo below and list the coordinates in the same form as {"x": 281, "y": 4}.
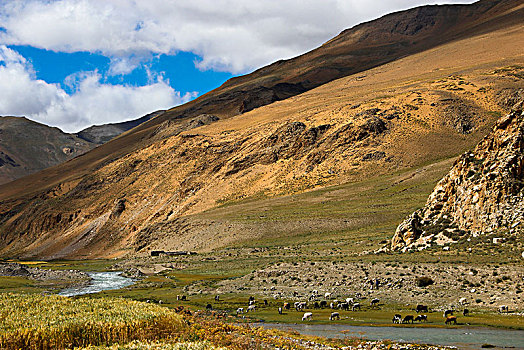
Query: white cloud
{"x": 231, "y": 35}
{"x": 92, "y": 102}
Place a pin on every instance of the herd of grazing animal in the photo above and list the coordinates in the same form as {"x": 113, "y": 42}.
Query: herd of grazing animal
{"x": 346, "y": 305}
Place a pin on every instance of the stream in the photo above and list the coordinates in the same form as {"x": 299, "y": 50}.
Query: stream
{"x": 100, "y": 281}
{"x": 463, "y": 338}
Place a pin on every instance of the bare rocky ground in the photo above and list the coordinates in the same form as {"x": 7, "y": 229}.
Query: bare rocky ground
{"x": 485, "y": 287}
{"x": 38, "y": 274}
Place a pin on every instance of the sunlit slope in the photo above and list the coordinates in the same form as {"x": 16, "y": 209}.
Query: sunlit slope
{"x": 417, "y": 110}
{"x": 362, "y": 47}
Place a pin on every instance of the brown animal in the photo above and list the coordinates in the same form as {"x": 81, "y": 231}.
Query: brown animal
{"x": 287, "y": 306}
{"x": 451, "y": 319}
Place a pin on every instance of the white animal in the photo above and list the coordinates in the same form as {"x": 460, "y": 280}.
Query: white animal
{"x": 240, "y": 310}
{"x": 327, "y": 295}
{"x": 251, "y": 308}
{"x": 374, "y": 302}
{"x": 355, "y": 306}
{"x": 307, "y": 316}
{"x": 350, "y": 301}
{"x": 463, "y": 301}
{"x": 251, "y": 302}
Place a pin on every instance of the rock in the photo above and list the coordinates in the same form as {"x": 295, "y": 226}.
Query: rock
{"x": 482, "y": 193}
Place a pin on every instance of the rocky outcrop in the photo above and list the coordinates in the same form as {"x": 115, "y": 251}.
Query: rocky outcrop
{"x": 482, "y": 194}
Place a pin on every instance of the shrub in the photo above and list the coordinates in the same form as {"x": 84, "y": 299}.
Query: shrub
{"x": 424, "y": 281}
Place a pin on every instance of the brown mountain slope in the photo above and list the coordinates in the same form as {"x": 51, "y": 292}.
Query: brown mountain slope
{"x": 354, "y": 50}
{"x": 482, "y": 194}
{"x": 27, "y": 147}
{"x": 419, "y": 109}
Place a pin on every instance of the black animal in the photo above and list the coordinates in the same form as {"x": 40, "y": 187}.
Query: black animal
{"x": 209, "y": 307}
{"x": 448, "y": 313}
{"x": 422, "y": 308}
{"x": 408, "y": 318}
{"x": 316, "y": 305}
{"x": 251, "y": 298}
{"x": 323, "y": 303}
{"x": 465, "y": 312}
{"x": 217, "y": 297}
{"x": 265, "y": 302}
{"x": 344, "y": 306}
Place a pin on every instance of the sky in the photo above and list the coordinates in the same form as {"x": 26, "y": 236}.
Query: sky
{"x": 77, "y": 63}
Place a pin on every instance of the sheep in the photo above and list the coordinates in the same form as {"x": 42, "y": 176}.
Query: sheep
{"x": 503, "y": 308}
{"x": 209, "y": 307}
{"x": 307, "y": 316}
{"x": 327, "y": 295}
{"x": 217, "y": 297}
{"x": 408, "y": 318}
{"x": 287, "y": 306}
{"x": 422, "y": 308}
{"x": 463, "y": 301}
{"x": 334, "y": 315}
{"x": 252, "y": 302}
{"x": 397, "y": 318}
{"x": 374, "y": 302}
{"x": 344, "y": 306}
{"x": 355, "y": 306}
{"x": 350, "y": 301}
{"x": 240, "y": 310}
{"x": 448, "y": 313}
{"x": 280, "y": 311}
{"x": 323, "y": 303}
{"x": 251, "y": 308}
{"x": 465, "y": 312}
{"x": 421, "y": 318}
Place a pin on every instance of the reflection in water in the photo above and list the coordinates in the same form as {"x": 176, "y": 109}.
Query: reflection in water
{"x": 464, "y": 338}
{"x": 100, "y": 281}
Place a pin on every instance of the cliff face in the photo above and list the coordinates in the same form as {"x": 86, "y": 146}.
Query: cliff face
{"x": 482, "y": 194}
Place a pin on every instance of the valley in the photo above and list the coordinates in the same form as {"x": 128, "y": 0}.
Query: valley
{"x": 378, "y": 174}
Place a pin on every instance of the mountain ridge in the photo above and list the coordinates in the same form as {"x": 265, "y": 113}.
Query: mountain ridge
{"x": 145, "y": 187}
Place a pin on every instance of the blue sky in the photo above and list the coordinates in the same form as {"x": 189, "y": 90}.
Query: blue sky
{"x": 75, "y": 63}
{"x": 55, "y": 67}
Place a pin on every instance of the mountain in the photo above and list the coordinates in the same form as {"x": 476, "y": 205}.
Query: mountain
{"x": 99, "y": 134}
{"x": 27, "y": 147}
{"x": 442, "y": 76}
{"x": 482, "y": 194}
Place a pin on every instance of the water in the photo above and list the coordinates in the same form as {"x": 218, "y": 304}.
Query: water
{"x": 100, "y": 281}
{"x": 463, "y": 338}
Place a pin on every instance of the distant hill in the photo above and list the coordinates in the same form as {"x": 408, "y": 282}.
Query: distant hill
{"x": 409, "y": 89}
{"x": 99, "y": 134}
{"x": 26, "y": 147}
